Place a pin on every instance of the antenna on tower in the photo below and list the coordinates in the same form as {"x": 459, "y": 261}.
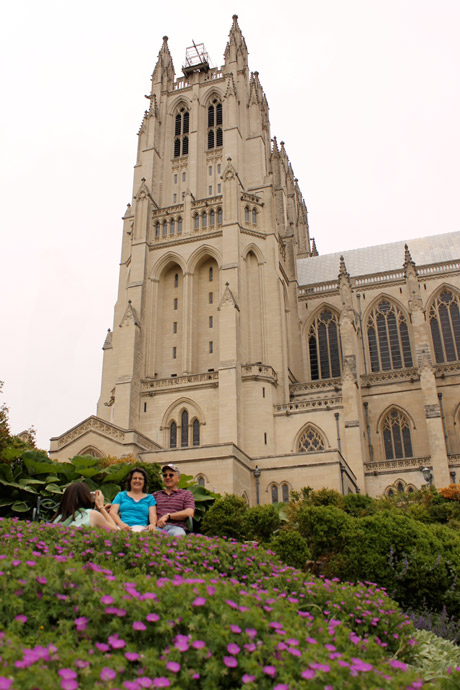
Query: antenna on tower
{"x": 196, "y": 59}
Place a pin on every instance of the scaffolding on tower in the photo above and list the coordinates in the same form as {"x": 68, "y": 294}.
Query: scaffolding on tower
{"x": 196, "y": 59}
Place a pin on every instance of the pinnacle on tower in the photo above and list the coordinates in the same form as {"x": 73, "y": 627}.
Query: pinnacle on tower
{"x": 236, "y": 49}
{"x": 164, "y": 69}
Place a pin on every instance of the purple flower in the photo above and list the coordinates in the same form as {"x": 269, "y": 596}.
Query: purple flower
{"x": 230, "y": 661}
{"x": 5, "y": 683}
{"x": 359, "y": 665}
{"x": 281, "y": 686}
{"x": 311, "y": 640}
{"x": 152, "y": 617}
{"x": 42, "y": 580}
{"x": 250, "y": 632}
{"x": 198, "y": 644}
{"x": 144, "y": 682}
{"x": 132, "y": 656}
{"x": 106, "y": 599}
{"x": 397, "y": 664}
{"x": 199, "y": 601}
{"x": 173, "y": 666}
{"x": 248, "y": 678}
{"x": 233, "y": 648}
{"x": 102, "y": 647}
{"x": 115, "y": 642}
{"x": 69, "y": 684}
{"x": 270, "y": 671}
{"x": 21, "y": 618}
{"x": 107, "y": 674}
{"x": 67, "y": 673}
{"x": 308, "y": 675}
{"x": 161, "y": 682}
{"x": 81, "y": 623}
{"x": 235, "y": 629}
{"x": 139, "y": 625}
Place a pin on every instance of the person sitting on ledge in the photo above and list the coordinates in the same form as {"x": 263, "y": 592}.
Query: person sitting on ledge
{"x": 135, "y": 509}
{"x": 76, "y": 508}
{"x": 174, "y": 505}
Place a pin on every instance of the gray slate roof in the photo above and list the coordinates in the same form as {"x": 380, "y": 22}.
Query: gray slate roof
{"x": 380, "y": 258}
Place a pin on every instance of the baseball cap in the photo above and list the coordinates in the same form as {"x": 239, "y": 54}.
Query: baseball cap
{"x": 174, "y": 468}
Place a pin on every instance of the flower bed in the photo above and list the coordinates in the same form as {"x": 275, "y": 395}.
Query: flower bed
{"x": 85, "y": 609}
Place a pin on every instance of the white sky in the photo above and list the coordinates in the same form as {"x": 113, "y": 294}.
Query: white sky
{"x": 365, "y": 93}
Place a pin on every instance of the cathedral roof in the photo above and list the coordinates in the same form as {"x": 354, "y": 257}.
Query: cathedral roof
{"x": 425, "y": 251}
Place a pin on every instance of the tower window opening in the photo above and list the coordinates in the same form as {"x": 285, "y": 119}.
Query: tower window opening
{"x": 174, "y": 326}
{"x": 181, "y": 130}
{"x": 219, "y": 167}
{"x": 184, "y": 429}
{"x": 174, "y": 352}
{"x": 175, "y": 303}
{"x": 212, "y": 216}
{"x": 176, "y": 280}
{"x": 254, "y": 216}
{"x": 145, "y": 407}
{"x": 219, "y": 216}
{"x": 184, "y": 175}
{"x": 197, "y": 221}
{"x": 211, "y": 275}
{"x": 210, "y": 322}
{"x": 219, "y": 188}
{"x": 173, "y": 435}
{"x": 210, "y": 190}
{"x": 175, "y": 178}
{"x": 196, "y": 434}
{"x": 204, "y": 220}
{"x": 172, "y": 226}
{"x": 246, "y": 215}
{"x": 215, "y": 131}
{"x": 211, "y": 347}
{"x": 210, "y": 170}
{"x": 157, "y": 230}
{"x": 179, "y": 225}
{"x": 165, "y": 228}
{"x": 210, "y": 298}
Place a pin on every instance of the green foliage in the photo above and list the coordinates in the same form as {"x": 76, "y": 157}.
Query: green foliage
{"x": 291, "y": 548}
{"x": 204, "y": 499}
{"x": 262, "y": 522}
{"x": 434, "y": 657}
{"x": 359, "y": 505}
{"x": 324, "y": 527}
{"x": 227, "y": 518}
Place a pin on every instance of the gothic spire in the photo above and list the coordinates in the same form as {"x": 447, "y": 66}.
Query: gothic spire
{"x": 236, "y": 49}
{"x": 344, "y": 284}
{"x": 314, "y": 251}
{"x": 164, "y": 69}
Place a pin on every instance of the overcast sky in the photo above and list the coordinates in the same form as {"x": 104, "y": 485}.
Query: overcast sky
{"x": 365, "y": 93}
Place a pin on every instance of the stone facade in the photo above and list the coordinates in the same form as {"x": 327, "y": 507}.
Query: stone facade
{"x": 235, "y": 347}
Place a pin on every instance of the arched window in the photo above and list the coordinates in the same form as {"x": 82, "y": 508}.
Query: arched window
{"x": 324, "y": 346}
{"x": 204, "y": 220}
{"x": 176, "y": 280}
{"x": 215, "y": 132}
{"x": 196, "y": 221}
{"x": 388, "y": 337}
{"x": 246, "y": 215}
{"x": 212, "y": 216}
{"x": 157, "y": 230}
{"x": 210, "y": 274}
{"x": 274, "y": 493}
{"x": 310, "y": 440}
{"x": 173, "y": 435}
{"x": 200, "y": 480}
{"x": 444, "y": 318}
{"x": 172, "y": 226}
{"x": 184, "y": 429}
{"x": 254, "y": 216}
{"x": 219, "y": 216}
{"x": 196, "y": 432}
{"x": 181, "y": 130}
{"x": 179, "y": 225}
{"x": 285, "y": 491}
{"x": 396, "y": 435}
{"x": 165, "y": 228}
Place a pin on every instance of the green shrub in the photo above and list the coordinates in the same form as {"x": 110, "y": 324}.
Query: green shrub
{"x": 291, "y": 548}
{"x": 359, "y": 505}
{"x": 227, "y": 518}
{"x": 262, "y": 522}
{"x": 324, "y": 528}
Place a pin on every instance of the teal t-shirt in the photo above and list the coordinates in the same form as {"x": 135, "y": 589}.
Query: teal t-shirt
{"x": 134, "y": 512}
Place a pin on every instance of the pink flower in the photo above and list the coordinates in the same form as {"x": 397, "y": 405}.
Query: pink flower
{"x": 308, "y": 675}
{"x": 233, "y": 648}
{"x": 5, "y": 683}
{"x": 281, "y": 686}
{"x": 138, "y": 625}
{"x": 68, "y": 684}
{"x": 173, "y": 666}
{"x": 152, "y": 617}
{"x": 270, "y": 671}
{"x": 230, "y": 661}
{"x": 116, "y": 643}
{"x": 107, "y": 674}
{"x": 102, "y": 647}
{"x": 106, "y": 599}
{"x": 250, "y": 632}
{"x": 42, "y": 580}
{"x": 397, "y": 664}
{"x": 161, "y": 682}
{"x": 235, "y": 629}
{"x": 198, "y": 644}
{"x": 68, "y": 673}
{"x": 145, "y": 682}
{"x": 248, "y": 678}
{"x": 199, "y": 601}
{"x": 132, "y": 656}
{"x": 81, "y": 623}
{"x": 20, "y": 618}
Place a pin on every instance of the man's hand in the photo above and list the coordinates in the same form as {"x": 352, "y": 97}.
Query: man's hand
{"x": 161, "y": 522}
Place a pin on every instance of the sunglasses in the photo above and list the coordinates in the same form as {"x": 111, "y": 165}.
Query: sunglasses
{"x": 168, "y": 475}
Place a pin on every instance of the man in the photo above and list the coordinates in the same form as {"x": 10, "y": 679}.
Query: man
{"x": 174, "y": 505}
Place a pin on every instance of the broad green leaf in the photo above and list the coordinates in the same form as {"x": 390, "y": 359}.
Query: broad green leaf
{"x": 54, "y": 488}
{"x": 116, "y": 473}
{"x": 52, "y": 478}
{"x": 12, "y": 453}
{"x": 110, "y": 490}
{"x": 88, "y": 471}
{"x": 36, "y": 466}
{"x": 81, "y": 461}
{"x": 6, "y": 502}
{"x": 6, "y": 472}
{"x": 26, "y": 481}
{"x": 20, "y": 507}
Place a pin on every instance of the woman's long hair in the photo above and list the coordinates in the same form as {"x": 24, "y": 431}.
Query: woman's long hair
{"x": 145, "y": 488}
{"x": 76, "y": 496}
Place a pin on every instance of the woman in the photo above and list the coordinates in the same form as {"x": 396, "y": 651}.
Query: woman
{"x": 135, "y": 509}
{"x": 76, "y": 508}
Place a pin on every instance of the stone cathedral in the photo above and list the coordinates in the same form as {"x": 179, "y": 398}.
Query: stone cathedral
{"x": 240, "y": 354}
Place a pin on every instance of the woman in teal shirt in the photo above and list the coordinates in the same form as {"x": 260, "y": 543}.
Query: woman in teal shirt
{"x": 135, "y": 509}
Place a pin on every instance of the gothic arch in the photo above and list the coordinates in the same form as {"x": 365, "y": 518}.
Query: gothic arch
{"x": 273, "y": 490}
{"x": 211, "y": 94}
{"x": 444, "y": 322}
{"x": 91, "y": 450}
{"x": 387, "y": 335}
{"x": 394, "y": 427}
{"x": 395, "y": 407}
{"x": 167, "y": 259}
{"x": 252, "y": 247}
{"x": 399, "y": 486}
{"x": 323, "y": 347}
{"x": 204, "y": 251}
{"x": 201, "y": 479}
{"x": 245, "y": 497}
{"x": 179, "y": 102}
{"x": 312, "y": 437}
{"x": 193, "y": 408}
{"x": 175, "y": 434}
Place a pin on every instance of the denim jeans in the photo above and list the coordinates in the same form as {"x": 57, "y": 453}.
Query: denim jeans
{"x": 172, "y": 530}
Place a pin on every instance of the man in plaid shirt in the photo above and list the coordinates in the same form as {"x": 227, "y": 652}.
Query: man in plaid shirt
{"x": 174, "y": 505}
